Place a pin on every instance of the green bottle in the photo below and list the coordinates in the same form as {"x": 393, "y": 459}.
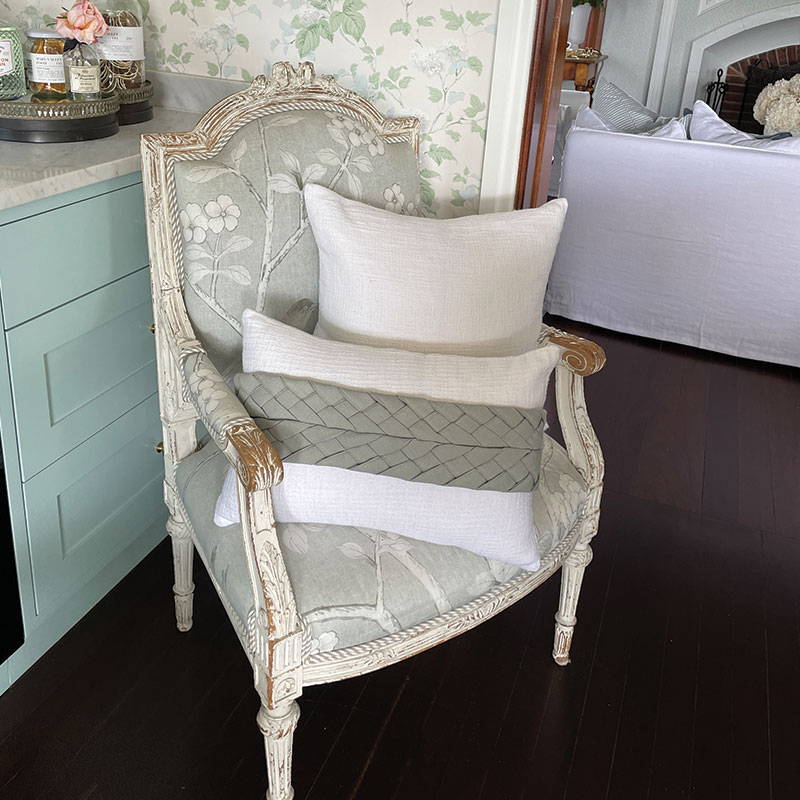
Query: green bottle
{"x": 12, "y": 63}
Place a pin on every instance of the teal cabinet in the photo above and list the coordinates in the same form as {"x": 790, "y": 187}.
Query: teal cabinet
{"x": 54, "y": 256}
{"x": 84, "y": 509}
{"x": 80, "y": 367}
{"x": 79, "y": 417}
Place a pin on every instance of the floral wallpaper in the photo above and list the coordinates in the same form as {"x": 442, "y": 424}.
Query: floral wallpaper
{"x": 427, "y": 58}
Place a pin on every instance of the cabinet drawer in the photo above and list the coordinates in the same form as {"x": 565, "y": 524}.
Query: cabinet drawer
{"x": 56, "y": 256}
{"x": 80, "y": 367}
{"x": 85, "y": 509}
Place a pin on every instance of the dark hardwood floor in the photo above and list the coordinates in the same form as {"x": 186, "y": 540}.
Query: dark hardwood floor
{"x": 684, "y": 681}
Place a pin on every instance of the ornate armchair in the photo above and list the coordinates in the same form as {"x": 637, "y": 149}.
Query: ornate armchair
{"x": 228, "y": 231}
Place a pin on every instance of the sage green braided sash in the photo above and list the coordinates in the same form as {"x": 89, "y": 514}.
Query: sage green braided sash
{"x": 449, "y": 444}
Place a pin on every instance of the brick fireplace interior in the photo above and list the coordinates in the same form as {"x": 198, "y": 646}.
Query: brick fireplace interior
{"x": 746, "y": 78}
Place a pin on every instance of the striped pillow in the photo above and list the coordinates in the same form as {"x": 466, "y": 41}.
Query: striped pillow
{"x": 622, "y": 112}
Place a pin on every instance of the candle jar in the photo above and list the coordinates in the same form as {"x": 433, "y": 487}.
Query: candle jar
{"x": 82, "y": 70}
{"x": 44, "y": 61}
{"x": 12, "y": 63}
{"x": 121, "y": 49}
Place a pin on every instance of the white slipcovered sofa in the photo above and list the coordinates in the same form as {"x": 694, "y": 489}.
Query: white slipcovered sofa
{"x": 684, "y": 241}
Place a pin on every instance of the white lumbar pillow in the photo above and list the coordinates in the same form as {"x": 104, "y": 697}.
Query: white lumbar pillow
{"x": 498, "y": 525}
{"x": 471, "y": 286}
{"x": 707, "y": 126}
{"x": 519, "y": 381}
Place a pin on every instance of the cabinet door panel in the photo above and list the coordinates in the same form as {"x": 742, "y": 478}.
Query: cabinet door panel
{"x": 56, "y": 256}
{"x": 90, "y": 505}
{"x": 80, "y": 367}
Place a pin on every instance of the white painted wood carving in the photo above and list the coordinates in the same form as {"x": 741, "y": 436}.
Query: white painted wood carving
{"x": 191, "y": 389}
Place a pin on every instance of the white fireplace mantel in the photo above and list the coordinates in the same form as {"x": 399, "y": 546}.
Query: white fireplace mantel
{"x": 757, "y": 33}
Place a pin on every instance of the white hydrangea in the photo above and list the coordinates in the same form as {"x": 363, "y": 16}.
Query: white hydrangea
{"x": 777, "y": 108}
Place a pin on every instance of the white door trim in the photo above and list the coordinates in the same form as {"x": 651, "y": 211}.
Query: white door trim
{"x": 658, "y": 74}
{"x": 516, "y": 22}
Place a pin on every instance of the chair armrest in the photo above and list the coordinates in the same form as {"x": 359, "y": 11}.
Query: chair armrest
{"x": 258, "y": 464}
{"x": 579, "y": 359}
{"x": 581, "y": 356}
{"x": 245, "y": 445}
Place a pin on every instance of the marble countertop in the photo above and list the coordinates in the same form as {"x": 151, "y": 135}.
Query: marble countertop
{"x": 30, "y": 172}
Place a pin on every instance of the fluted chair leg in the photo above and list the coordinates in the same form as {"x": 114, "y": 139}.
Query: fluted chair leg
{"x": 183, "y": 559}
{"x": 278, "y": 726}
{"x": 571, "y": 580}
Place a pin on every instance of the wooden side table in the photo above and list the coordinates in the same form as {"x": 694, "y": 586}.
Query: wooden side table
{"x": 583, "y": 70}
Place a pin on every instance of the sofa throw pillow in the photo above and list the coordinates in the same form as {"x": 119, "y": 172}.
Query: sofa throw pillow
{"x": 707, "y": 126}
{"x": 622, "y": 112}
{"x": 469, "y": 286}
{"x": 589, "y": 119}
{"x": 490, "y": 520}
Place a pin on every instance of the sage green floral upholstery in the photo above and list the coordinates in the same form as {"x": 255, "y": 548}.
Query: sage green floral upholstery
{"x": 340, "y": 574}
{"x": 246, "y": 238}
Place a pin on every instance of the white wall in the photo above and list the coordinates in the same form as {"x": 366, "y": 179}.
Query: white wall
{"x": 629, "y": 39}
{"x": 650, "y": 43}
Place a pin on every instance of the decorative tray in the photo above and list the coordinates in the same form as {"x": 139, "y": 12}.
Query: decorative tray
{"x": 27, "y": 120}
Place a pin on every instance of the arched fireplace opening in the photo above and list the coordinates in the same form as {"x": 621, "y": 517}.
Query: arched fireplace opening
{"x": 744, "y": 80}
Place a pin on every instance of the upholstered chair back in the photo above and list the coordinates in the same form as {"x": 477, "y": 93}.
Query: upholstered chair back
{"x": 240, "y": 225}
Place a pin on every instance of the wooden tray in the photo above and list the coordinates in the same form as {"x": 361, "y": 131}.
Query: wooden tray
{"x": 27, "y": 120}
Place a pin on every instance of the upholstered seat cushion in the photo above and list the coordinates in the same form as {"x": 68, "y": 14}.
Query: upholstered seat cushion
{"x": 339, "y": 573}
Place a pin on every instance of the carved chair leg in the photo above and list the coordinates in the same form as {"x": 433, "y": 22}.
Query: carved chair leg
{"x": 278, "y": 727}
{"x": 571, "y": 579}
{"x": 183, "y": 558}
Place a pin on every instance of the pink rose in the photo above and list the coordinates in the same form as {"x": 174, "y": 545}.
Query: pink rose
{"x": 82, "y": 22}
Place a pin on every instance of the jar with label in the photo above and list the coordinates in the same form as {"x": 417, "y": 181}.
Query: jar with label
{"x": 82, "y": 70}
{"x": 121, "y": 49}
{"x": 44, "y": 63}
{"x": 12, "y": 63}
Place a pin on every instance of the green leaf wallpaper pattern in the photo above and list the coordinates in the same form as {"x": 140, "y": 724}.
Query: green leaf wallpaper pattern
{"x": 427, "y": 58}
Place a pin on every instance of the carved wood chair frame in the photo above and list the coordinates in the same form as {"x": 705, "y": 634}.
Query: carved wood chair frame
{"x": 185, "y": 375}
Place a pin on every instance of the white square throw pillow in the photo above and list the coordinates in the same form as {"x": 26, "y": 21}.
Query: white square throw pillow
{"x": 498, "y": 525}
{"x": 469, "y": 286}
{"x": 707, "y": 126}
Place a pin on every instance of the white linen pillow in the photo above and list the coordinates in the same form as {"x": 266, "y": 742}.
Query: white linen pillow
{"x": 589, "y": 119}
{"x": 519, "y": 381}
{"x": 707, "y": 126}
{"x": 471, "y": 286}
{"x": 494, "y": 524}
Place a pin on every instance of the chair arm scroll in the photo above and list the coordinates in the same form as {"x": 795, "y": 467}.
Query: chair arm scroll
{"x": 581, "y": 356}
{"x": 579, "y": 359}
{"x": 259, "y": 465}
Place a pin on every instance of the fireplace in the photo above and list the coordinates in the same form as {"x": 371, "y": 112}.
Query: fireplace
{"x": 729, "y": 50}
{"x": 744, "y": 80}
